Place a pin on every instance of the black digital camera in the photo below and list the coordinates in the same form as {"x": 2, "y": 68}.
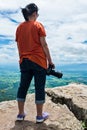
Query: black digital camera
{"x": 51, "y": 71}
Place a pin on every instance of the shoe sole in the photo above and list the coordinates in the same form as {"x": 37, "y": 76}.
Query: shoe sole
{"x": 39, "y": 121}
{"x": 20, "y": 119}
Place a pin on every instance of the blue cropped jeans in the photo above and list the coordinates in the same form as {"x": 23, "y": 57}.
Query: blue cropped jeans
{"x": 29, "y": 70}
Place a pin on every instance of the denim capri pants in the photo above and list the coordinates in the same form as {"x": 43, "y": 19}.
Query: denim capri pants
{"x": 29, "y": 70}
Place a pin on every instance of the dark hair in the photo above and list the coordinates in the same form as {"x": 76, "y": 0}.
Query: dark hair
{"x": 29, "y": 10}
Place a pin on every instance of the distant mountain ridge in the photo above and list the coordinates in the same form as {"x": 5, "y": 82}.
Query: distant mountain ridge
{"x": 71, "y": 67}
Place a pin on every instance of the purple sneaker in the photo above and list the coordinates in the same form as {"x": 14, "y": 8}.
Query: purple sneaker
{"x": 20, "y": 117}
{"x": 40, "y": 119}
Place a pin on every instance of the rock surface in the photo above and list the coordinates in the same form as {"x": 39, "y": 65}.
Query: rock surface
{"x": 61, "y": 118}
{"x": 74, "y": 96}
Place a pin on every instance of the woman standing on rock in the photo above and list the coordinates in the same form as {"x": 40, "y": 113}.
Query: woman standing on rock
{"x": 34, "y": 56}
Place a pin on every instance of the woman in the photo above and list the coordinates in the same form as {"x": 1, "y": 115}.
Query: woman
{"x": 34, "y": 59}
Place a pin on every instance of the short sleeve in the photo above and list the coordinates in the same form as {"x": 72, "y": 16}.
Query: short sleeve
{"x": 42, "y": 31}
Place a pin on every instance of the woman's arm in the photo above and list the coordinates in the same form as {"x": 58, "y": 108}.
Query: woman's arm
{"x": 46, "y": 50}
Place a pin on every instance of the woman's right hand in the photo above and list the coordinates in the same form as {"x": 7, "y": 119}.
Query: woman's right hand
{"x": 52, "y": 65}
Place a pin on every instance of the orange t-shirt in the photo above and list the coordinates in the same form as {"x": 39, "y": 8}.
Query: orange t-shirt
{"x": 28, "y": 41}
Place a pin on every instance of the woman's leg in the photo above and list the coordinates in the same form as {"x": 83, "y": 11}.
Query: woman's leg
{"x": 40, "y": 79}
{"x": 39, "y": 108}
{"x": 26, "y": 78}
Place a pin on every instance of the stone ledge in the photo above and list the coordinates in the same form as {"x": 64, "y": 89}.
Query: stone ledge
{"x": 61, "y": 118}
{"x": 74, "y": 96}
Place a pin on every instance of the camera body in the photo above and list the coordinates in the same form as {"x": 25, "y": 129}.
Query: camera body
{"x": 51, "y": 71}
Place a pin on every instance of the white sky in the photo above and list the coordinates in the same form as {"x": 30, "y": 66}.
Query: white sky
{"x": 65, "y": 23}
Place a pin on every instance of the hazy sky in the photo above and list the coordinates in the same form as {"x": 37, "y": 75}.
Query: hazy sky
{"x": 65, "y": 22}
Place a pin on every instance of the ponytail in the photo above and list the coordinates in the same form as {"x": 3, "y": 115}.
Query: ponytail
{"x": 25, "y": 13}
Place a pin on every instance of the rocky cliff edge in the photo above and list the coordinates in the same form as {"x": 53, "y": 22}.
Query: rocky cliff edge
{"x": 67, "y": 106}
